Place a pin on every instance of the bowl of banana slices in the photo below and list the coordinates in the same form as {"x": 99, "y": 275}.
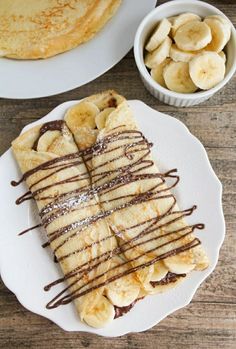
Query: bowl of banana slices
{"x": 185, "y": 51}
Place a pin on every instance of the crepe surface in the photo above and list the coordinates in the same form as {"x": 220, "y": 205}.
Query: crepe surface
{"x": 39, "y": 29}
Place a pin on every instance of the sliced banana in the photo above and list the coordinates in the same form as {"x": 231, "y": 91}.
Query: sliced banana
{"x": 158, "y": 55}
{"x": 171, "y": 19}
{"x": 180, "y": 264}
{"x": 220, "y": 34}
{"x": 222, "y": 55}
{"x": 159, "y": 35}
{"x": 193, "y": 36}
{"x": 157, "y": 72}
{"x": 124, "y": 291}
{"x": 47, "y": 139}
{"x": 101, "y": 314}
{"x": 177, "y": 78}
{"x": 159, "y": 272}
{"x": 182, "y": 19}
{"x": 142, "y": 293}
{"x": 200, "y": 258}
{"x": 100, "y": 118}
{"x": 222, "y": 19}
{"x": 181, "y": 56}
{"x": 207, "y": 70}
{"x": 81, "y": 115}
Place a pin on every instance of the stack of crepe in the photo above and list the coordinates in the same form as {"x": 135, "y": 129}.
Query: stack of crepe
{"x": 108, "y": 212}
{"x": 40, "y": 29}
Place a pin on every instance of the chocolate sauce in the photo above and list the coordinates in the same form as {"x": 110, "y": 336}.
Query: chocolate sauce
{"x": 132, "y": 145}
{"x": 169, "y": 278}
{"x": 56, "y": 125}
{"x": 30, "y": 229}
{"x": 112, "y": 103}
{"x": 120, "y": 311}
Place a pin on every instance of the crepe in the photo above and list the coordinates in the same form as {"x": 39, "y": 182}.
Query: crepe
{"x": 32, "y": 29}
{"x": 141, "y": 210}
{"x": 81, "y": 240}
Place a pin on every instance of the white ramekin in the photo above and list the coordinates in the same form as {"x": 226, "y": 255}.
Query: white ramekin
{"x": 169, "y": 9}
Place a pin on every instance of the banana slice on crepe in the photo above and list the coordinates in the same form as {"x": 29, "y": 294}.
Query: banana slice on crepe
{"x": 101, "y": 117}
{"x": 123, "y": 291}
{"x": 86, "y": 112}
{"x": 101, "y": 314}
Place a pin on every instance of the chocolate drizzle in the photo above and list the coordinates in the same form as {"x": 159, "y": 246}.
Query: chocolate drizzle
{"x": 30, "y": 229}
{"x": 132, "y": 146}
{"x": 56, "y": 125}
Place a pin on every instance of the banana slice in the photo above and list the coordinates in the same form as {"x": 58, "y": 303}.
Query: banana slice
{"x": 220, "y": 34}
{"x": 171, "y": 19}
{"x": 47, "y": 139}
{"x": 159, "y": 54}
{"x": 200, "y": 258}
{"x": 181, "y": 56}
{"x": 222, "y": 19}
{"x": 100, "y": 118}
{"x": 180, "y": 264}
{"x": 81, "y": 115}
{"x": 193, "y": 36}
{"x": 159, "y": 35}
{"x": 177, "y": 78}
{"x": 222, "y": 55}
{"x": 159, "y": 272}
{"x": 124, "y": 291}
{"x": 81, "y": 121}
{"x": 157, "y": 72}
{"x": 207, "y": 70}
{"x": 100, "y": 315}
{"x": 182, "y": 19}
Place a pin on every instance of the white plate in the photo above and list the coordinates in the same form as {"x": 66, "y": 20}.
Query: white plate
{"x": 40, "y": 78}
{"x": 26, "y": 267}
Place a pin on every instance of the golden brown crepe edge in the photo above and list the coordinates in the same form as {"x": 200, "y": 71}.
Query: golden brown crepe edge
{"x": 68, "y": 41}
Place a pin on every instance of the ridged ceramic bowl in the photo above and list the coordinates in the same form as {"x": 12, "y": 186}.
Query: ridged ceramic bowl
{"x": 170, "y": 9}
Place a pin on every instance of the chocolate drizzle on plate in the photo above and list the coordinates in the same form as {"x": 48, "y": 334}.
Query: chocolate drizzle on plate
{"x": 135, "y": 149}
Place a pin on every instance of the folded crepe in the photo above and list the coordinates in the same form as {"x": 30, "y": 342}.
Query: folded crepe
{"x": 40, "y": 29}
{"x": 108, "y": 213}
{"x": 135, "y": 197}
{"x": 83, "y": 244}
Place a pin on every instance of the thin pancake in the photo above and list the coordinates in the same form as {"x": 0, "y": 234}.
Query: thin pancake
{"x": 39, "y": 29}
{"x": 60, "y": 184}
